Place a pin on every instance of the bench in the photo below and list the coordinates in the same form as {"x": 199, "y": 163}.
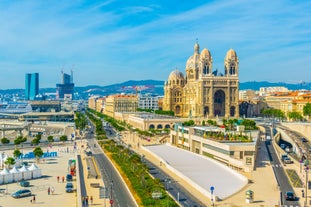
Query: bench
{"x": 94, "y": 185}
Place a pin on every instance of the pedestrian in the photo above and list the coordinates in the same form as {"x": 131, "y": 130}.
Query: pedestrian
{"x": 63, "y": 178}
{"x": 58, "y": 179}
{"x": 49, "y": 190}
{"x": 87, "y": 200}
{"x": 52, "y": 190}
{"x": 91, "y": 199}
{"x": 34, "y": 199}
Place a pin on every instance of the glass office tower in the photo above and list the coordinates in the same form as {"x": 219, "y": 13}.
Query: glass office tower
{"x": 31, "y": 85}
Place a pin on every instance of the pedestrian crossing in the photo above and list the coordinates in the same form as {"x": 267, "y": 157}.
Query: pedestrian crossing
{"x": 276, "y": 165}
{"x": 289, "y": 206}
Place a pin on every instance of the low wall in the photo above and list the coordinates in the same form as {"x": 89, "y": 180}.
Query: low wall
{"x": 303, "y": 128}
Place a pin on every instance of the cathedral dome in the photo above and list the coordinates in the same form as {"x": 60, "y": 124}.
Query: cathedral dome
{"x": 176, "y": 75}
{"x": 231, "y": 54}
{"x": 206, "y": 54}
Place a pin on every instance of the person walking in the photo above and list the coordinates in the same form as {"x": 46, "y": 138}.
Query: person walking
{"x": 63, "y": 178}
{"x": 49, "y": 190}
{"x": 34, "y": 199}
{"x": 91, "y": 199}
{"x": 52, "y": 190}
{"x": 58, "y": 179}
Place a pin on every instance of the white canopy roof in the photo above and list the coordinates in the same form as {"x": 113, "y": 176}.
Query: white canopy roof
{"x": 14, "y": 170}
{"x": 4, "y": 172}
{"x": 23, "y": 169}
{"x": 33, "y": 167}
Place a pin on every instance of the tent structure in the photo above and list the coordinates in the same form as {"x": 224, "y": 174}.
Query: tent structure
{"x": 35, "y": 171}
{"x": 17, "y": 175}
{"x": 26, "y": 174}
{"x": 7, "y": 176}
{"x": 3, "y": 158}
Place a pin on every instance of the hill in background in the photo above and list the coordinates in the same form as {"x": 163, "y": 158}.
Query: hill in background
{"x": 154, "y": 87}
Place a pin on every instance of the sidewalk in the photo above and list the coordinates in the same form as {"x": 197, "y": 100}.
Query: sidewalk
{"x": 92, "y": 191}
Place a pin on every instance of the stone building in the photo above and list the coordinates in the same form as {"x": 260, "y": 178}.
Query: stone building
{"x": 203, "y": 92}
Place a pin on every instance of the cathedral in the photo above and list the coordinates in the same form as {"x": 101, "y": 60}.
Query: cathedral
{"x": 203, "y": 92}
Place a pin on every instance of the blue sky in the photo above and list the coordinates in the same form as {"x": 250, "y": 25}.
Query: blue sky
{"x": 111, "y": 41}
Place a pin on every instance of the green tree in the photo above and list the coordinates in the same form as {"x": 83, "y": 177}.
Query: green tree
{"x": 63, "y": 138}
{"x": 38, "y": 153}
{"x": 20, "y": 139}
{"x": 35, "y": 141}
{"x": 295, "y": 116}
{"x": 10, "y": 161}
{"x": 5, "y": 140}
{"x": 39, "y": 136}
{"x": 50, "y": 138}
{"x": 17, "y": 153}
{"x": 307, "y": 110}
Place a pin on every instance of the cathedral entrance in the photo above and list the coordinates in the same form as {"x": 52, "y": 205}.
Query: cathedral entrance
{"x": 177, "y": 110}
{"x": 206, "y": 111}
{"x": 219, "y": 103}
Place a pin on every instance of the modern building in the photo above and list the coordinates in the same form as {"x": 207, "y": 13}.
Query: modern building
{"x": 147, "y": 101}
{"x": 66, "y": 87}
{"x": 216, "y": 143}
{"x": 46, "y": 106}
{"x": 48, "y": 116}
{"x": 120, "y": 103}
{"x": 204, "y": 92}
{"x": 15, "y": 107}
{"x": 31, "y": 86}
{"x": 264, "y": 91}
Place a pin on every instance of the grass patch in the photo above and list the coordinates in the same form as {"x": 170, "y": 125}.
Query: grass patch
{"x": 294, "y": 178}
{"x": 136, "y": 175}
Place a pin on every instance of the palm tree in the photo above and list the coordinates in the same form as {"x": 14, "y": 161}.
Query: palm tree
{"x": 38, "y": 153}
{"x": 17, "y": 153}
{"x": 10, "y": 161}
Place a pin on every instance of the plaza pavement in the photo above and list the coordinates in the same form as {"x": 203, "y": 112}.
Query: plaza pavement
{"x": 50, "y": 168}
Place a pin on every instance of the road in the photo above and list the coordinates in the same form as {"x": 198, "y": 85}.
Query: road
{"x": 173, "y": 187}
{"x": 120, "y": 194}
{"x": 279, "y": 172}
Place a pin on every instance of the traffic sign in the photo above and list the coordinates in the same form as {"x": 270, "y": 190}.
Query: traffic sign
{"x": 111, "y": 201}
{"x": 212, "y": 188}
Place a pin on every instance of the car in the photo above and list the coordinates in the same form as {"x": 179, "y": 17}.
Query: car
{"x": 282, "y": 146}
{"x": 290, "y": 196}
{"x": 68, "y": 177}
{"x": 304, "y": 139}
{"x": 287, "y": 160}
{"x": 283, "y": 157}
{"x": 69, "y": 188}
{"x": 21, "y": 193}
{"x": 24, "y": 183}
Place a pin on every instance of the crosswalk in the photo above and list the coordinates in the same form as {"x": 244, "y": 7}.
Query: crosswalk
{"x": 276, "y": 165}
{"x": 289, "y": 206}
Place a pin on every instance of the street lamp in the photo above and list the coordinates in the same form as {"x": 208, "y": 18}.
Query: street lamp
{"x": 307, "y": 183}
{"x": 111, "y": 201}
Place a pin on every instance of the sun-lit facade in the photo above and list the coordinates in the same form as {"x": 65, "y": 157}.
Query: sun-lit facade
{"x": 203, "y": 92}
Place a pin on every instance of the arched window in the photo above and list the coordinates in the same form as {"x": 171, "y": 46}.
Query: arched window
{"x": 160, "y": 126}
{"x": 151, "y": 126}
